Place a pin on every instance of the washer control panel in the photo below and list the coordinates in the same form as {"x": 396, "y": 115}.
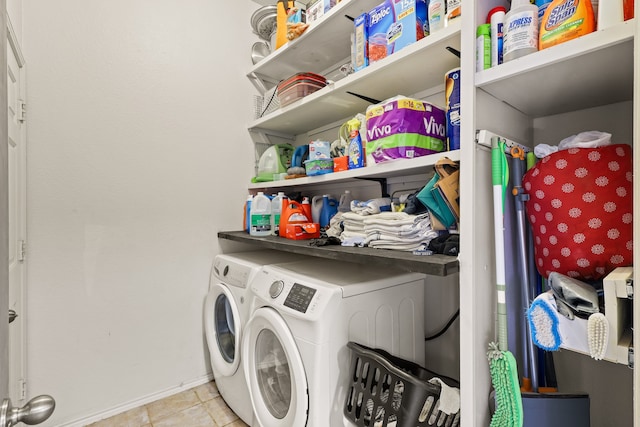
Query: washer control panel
{"x": 299, "y": 297}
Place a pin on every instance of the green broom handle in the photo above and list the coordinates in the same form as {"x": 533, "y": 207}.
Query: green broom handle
{"x": 499, "y": 176}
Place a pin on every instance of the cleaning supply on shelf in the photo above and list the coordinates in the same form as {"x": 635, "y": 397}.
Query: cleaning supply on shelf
{"x": 295, "y": 224}
{"x": 542, "y": 7}
{"x": 306, "y": 207}
{"x": 495, "y": 18}
{"x": 329, "y": 209}
{"x": 247, "y": 213}
{"x": 483, "y": 47}
{"x": 260, "y": 215}
{"x": 454, "y": 9}
{"x": 566, "y": 20}
{"x": 316, "y": 208}
{"x": 520, "y": 30}
{"x": 436, "y": 15}
{"x": 345, "y": 202}
{"x": 276, "y": 210}
{"x": 355, "y": 149}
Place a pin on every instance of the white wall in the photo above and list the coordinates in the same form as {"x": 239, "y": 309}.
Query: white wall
{"x": 138, "y": 155}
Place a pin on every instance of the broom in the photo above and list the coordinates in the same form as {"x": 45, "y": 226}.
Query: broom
{"x": 502, "y": 364}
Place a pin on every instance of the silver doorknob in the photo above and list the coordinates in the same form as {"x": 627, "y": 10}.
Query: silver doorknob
{"x": 33, "y": 412}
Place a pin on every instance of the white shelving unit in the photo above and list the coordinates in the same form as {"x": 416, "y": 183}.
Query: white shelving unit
{"x": 590, "y": 83}
{"x": 584, "y": 84}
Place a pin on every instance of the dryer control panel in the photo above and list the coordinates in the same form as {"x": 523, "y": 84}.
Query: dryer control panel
{"x": 299, "y": 297}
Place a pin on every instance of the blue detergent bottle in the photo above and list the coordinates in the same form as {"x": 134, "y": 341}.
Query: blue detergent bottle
{"x": 329, "y": 209}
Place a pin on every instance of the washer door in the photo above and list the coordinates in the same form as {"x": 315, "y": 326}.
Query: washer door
{"x": 274, "y": 370}
{"x": 223, "y": 329}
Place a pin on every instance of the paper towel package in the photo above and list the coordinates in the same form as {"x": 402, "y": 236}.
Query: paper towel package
{"x": 404, "y": 128}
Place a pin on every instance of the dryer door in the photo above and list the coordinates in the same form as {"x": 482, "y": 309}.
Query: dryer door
{"x": 274, "y": 370}
{"x": 223, "y": 329}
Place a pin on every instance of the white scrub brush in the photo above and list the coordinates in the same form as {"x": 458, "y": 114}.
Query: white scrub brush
{"x": 598, "y": 335}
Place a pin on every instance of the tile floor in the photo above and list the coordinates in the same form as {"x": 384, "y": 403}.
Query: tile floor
{"x": 201, "y": 406}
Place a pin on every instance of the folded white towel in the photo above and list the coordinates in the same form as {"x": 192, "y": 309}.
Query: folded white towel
{"x": 372, "y": 206}
{"x": 408, "y": 247}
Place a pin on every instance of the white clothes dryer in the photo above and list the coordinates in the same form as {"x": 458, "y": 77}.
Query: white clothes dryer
{"x": 294, "y": 347}
{"x": 226, "y": 311}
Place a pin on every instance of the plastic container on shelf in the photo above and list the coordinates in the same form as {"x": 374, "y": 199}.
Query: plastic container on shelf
{"x": 345, "y": 202}
{"x": 329, "y": 209}
{"x": 495, "y": 18}
{"x": 260, "y": 215}
{"x": 483, "y": 47}
{"x": 520, "y": 30}
{"x": 276, "y": 210}
{"x": 298, "y": 86}
{"x": 316, "y": 208}
{"x": 436, "y": 15}
{"x": 306, "y": 207}
{"x": 247, "y": 213}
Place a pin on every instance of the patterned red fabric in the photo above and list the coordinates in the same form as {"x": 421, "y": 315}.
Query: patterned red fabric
{"x": 581, "y": 211}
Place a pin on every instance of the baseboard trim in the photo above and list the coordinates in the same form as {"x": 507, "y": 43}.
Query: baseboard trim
{"x": 137, "y": 402}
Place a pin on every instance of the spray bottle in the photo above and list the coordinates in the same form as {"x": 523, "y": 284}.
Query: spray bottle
{"x": 355, "y": 150}
{"x": 520, "y": 30}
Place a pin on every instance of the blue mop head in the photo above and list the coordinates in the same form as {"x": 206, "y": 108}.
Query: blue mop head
{"x": 544, "y": 325}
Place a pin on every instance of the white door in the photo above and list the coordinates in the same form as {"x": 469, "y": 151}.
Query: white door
{"x": 275, "y": 372}
{"x": 17, "y": 221}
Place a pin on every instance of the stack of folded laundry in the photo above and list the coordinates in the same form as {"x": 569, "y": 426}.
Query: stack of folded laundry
{"x": 399, "y": 231}
{"x": 353, "y": 233}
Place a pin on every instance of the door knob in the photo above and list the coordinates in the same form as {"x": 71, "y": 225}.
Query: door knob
{"x": 12, "y": 315}
{"x": 33, "y": 412}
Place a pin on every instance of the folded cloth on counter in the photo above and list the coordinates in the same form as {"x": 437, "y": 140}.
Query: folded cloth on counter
{"x": 398, "y": 246}
{"x": 372, "y": 206}
{"x": 352, "y": 240}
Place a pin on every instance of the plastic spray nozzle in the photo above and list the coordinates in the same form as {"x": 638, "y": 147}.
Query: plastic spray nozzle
{"x": 353, "y": 124}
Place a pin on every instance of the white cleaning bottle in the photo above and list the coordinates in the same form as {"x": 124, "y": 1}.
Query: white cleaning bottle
{"x": 316, "y": 208}
{"x": 345, "y": 202}
{"x": 520, "y": 30}
{"x": 260, "y": 215}
{"x": 276, "y": 210}
{"x": 436, "y": 15}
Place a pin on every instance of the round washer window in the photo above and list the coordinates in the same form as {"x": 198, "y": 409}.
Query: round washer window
{"x": 225, "y": 328}
{"x": 274, "y": 376}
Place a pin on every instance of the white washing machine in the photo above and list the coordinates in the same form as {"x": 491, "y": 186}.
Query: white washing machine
{"x": 226, "y": 312}
{"x": 294, "y": 347}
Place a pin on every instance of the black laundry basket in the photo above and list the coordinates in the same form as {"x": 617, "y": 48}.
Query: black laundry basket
{"x": 387, "y": 391}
